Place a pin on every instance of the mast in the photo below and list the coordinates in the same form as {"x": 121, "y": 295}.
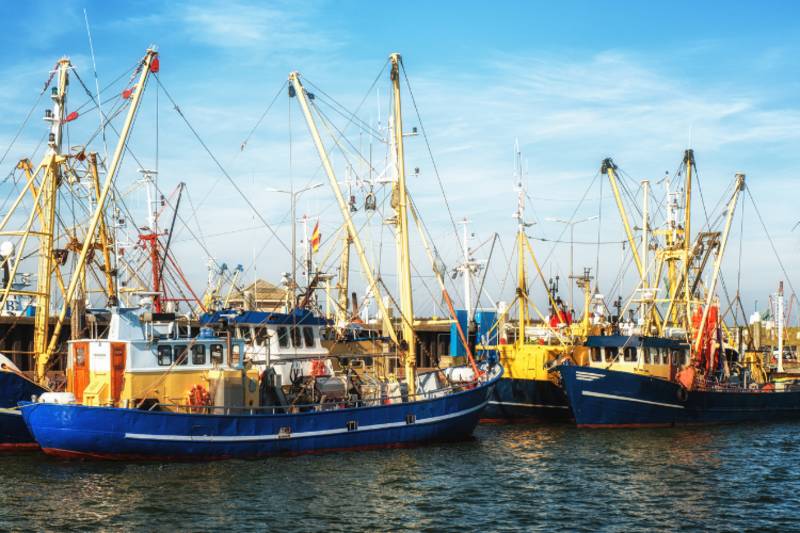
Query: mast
{"x": 718, "y": 260}
{"x": 296, "y": 89}
{"x": 150, "y": 238}
{"x": 780, "y": 319}
{"x": 688, "y": 159}
{"x": 43, "y": 357}
{"x": 108, "y": 270}
{"x": 48, "y": 195}
{"x": 404, "y": 262}
{"x": 645, "y": 232}
{"x": 342, "y": 314}
{"x": 609, "y": 168}
{"x": 522, "y": 290}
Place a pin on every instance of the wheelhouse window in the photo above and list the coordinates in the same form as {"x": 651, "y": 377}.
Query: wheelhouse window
{"x": 296, "y": 341}
{"x": 236, "y": 354}
{"x": 597, "y": 355}
{"x": 629, "y": 355}
{"x": 181, "y": 355}
{"x": 283, "y": 337}
{"x": 612, "y": 352}
{"x": 199, "y": 354}
{"x": 308, "y": 336}
{"x": 648, "y": 354}
{"x": 663, "y": 356}
{"x": 246, "y": 333}
{"x": 164, "y": 355}
{"x": 217, "y": 353}
{"x": 678, "y": 357}
{"x": 262, "y": 336}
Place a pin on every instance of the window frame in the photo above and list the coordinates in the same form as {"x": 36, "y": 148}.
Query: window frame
{"x": 596, "y": 354}
{"x": 296, "y": 336}
{"x": 221, "y": 358}
{"x": 235, "y": 355}
{"x": 197, "y": 350}
{"x": 283, "y": 337}
{"x": 177, "y": 351}
{"x": 308, "y": 337}
{"x": 626, "y": 351}
{"x": 161, "y": 353}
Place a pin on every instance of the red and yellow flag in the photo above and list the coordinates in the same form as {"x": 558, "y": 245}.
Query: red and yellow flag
{"x": 316, "y": 238}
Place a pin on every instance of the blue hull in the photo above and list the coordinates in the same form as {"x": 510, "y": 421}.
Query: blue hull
{"x": 129, "y": 434}
{"x": 527, "y": 400}
{"x": 609, "y": 398}
{"x": 14, "y": 433}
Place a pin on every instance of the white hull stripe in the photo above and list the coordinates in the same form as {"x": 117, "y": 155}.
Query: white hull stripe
{"x": 629, "y": 399}
{"x": 13, "y": 412}
{"x": 516, "y": 404}
{"x": 587, "y": 376}
{"x": 320, "y": 433}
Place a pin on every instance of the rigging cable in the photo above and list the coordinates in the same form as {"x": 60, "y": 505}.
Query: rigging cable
{"x": 219, "y": 165}
{"x": 430, "y": 153}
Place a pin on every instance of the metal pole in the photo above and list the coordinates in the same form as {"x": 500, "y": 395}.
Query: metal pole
{"x": 302, "y": 99}
{"x": 42, "y": 359}
{"x": 293, "y": 196}
{"x": 571, "y": 270}
{"x": 779, "y": 317}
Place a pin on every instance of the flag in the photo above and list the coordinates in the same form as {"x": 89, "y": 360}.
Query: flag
{"x": 316, "y": 238}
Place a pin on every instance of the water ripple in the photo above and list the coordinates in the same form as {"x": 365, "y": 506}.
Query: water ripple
{"x": 509, "y": 478}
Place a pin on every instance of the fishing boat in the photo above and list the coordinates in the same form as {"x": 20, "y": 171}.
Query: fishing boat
{"x": 258, "y": 385}
{"x": 635, "y": 381}
{"x": 529, "y": 390}
{"x": 147, "y": 392}
{"x": 682, "y": 365}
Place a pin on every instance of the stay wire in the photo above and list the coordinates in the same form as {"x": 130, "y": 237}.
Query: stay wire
{"x": 771, "y": 242}
{"x": 430, "y": 153}
{"x": 221, "y": 168}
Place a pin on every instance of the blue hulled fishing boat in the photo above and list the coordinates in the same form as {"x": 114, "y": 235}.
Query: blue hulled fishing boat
{"x": 635, "y": 382}
{"x": 14, "y": 388}
{"x": 178, "y": 397}
{"x": 115, "y": 433}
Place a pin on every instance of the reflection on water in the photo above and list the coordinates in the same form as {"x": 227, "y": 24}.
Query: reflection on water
{"x": 507, "y": 478}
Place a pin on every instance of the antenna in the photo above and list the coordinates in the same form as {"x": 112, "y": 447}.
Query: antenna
{"x": 96, "y": 85}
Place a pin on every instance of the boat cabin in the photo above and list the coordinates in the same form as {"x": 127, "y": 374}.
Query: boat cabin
{"x": 150, "y": 357}
{"x": 659, "y": 357}
{"x": 289, "y": 343}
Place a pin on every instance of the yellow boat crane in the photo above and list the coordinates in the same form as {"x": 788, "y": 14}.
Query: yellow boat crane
{"x": 43, "y": 184}
{"x": 401, "y": 204}
{"x": 678, "y": 262}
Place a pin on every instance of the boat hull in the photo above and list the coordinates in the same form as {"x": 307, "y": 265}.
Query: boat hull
{"x": 527, "y": 400}
{"x": 130, "y": 434}
{"x": 609, "y": 398}
{"x": 14, "y": 434}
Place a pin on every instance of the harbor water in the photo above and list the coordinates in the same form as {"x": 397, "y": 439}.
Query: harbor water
{"x": 508, "y": 478}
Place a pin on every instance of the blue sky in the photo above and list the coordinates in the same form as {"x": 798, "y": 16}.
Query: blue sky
{"x": 573, "y": 82}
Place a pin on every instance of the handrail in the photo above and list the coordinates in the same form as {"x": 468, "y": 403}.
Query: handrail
{"x": 285, "y": 409}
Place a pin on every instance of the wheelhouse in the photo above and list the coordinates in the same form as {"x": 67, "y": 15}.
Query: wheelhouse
{"x": 649, "y": 355}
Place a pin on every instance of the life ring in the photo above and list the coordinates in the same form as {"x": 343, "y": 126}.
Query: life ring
{"x": 682, "y": 394}
{"x": 199, "y": 398}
